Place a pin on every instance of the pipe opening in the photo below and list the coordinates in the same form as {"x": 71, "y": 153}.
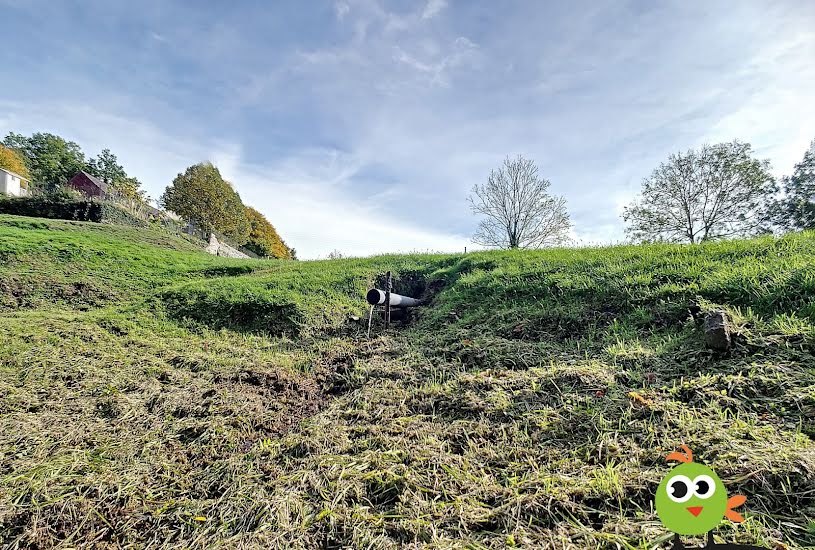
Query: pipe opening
{"x": 375, "y": 297}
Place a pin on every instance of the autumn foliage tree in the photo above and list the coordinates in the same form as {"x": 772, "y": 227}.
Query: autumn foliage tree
{"x": 263, "y": 237}
{"x": 13, "y": 161}
{"x": 202, "y": 196}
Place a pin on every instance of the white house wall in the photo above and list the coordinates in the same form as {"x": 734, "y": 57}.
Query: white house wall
{"x": 10, "y": 185}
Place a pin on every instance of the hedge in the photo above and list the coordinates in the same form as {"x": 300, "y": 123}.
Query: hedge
{"x": 78, "y": 210}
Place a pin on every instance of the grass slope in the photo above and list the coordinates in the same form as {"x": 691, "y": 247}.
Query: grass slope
{"x": 154, "y": 396}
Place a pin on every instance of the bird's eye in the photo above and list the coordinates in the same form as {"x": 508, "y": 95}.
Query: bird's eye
{"x": 704, "y": 486}
{"x": 680, "y": 488}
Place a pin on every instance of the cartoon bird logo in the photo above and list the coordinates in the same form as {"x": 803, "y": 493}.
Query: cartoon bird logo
{"x": 691, "y": 499}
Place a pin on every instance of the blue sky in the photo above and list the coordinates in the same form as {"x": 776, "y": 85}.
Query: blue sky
{"x": 361, "y": 125}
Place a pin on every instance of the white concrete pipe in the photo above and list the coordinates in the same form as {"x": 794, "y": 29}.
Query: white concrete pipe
{"x": 376, "y": 297}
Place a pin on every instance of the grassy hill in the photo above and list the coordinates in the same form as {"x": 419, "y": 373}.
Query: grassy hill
{"x": 152, "y": 395}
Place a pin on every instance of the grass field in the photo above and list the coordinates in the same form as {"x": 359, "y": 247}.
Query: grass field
{"x": 154, "y": 396}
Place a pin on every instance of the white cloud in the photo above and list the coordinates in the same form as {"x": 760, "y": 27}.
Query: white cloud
{"x": 316, "y": 220}
{"x": 462, "y": 52}
{"x": 341, "y": 9}
{"x": 306, "y": 197}
{"x": 432, "y": 8}
{"x": 777, "y": 115}
{"x": 227, "y": 157}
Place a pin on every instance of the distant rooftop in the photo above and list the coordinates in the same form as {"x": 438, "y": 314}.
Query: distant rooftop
{"x": 15, "y": 174}
{"x": 96, "y": 181}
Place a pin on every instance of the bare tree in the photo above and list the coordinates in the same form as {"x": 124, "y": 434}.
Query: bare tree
{"x": 716, "y": 192}
{"x": 518, "y": 210}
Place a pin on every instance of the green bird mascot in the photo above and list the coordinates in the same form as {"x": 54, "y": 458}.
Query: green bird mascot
{"x": 692, "y": 500}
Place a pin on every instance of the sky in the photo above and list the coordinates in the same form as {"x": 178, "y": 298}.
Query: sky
{"x": 361, "y": 125}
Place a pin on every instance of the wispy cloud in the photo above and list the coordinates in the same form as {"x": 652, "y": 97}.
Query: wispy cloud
{"x": 461, "y": 52}
{"x": 362, "y": 125}
{"x": 341, "y": 9}
{"x": 432, "y": 8}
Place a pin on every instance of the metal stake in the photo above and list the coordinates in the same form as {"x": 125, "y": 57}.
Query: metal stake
{"x": 388, "y": 288}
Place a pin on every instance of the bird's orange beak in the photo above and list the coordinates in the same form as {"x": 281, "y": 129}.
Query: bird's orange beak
{"x": 695, "y": 510}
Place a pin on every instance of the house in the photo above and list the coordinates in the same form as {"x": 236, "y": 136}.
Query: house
{"x": 88, "y": 185}
{"x": 13, "y": 184}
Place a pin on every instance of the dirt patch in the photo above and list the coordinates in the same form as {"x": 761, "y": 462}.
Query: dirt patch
{"x": 227, "y": 271}
{"x": 19, "y": 292}
{"x": 273, "y": 400}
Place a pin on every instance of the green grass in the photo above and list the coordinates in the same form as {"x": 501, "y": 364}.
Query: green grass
{"x": 152, "y": 395}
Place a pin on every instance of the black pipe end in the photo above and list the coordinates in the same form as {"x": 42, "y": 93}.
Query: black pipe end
{"x": 373, "y": 296}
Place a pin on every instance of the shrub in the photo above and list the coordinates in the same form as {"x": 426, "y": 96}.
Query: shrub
{"x": 61, "y": 207}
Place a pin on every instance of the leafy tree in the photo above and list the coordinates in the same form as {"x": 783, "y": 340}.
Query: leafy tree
{"x": 235, "y": 223}
{"x": 517, "y": 208}
{"x": 130, "y": 187}
{"x": 263, "y": 237}
{"x": 13, "y": 161}
{"x": 202, "y": 196}
{"x": 107, "y": 168}
{"x": 51, "y": 160}
{"x": 796, "y": 210}
{"x": 716, "y": 192}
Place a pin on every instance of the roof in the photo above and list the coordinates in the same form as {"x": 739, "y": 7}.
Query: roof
{"x": 152, "y": 210}
{"x": 96, "y": 181}
{"x": 15, "y": 174}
